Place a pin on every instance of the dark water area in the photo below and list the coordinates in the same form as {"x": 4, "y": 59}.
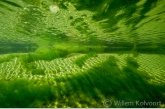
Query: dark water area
{"x": 17, "y": 48}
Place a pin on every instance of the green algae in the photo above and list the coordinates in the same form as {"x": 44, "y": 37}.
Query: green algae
{"x": 103, "y": 81}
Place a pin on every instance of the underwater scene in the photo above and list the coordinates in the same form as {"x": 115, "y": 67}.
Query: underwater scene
{"x": 82, "y": 53}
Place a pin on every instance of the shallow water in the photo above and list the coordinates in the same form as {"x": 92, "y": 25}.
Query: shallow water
{"x": 73, "y": 53}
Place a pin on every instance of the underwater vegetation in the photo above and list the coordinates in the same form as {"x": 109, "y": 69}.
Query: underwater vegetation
{"x": 48, "y": 55}
{"x": 35, "y": 56}
{"x": 103, "y": 81}
{"x": 23, "y": 93}
{"x": 27, "y": 60}
{"x": 7, "y": 58}
{"x": 45, "y": 55}
{"x": 81, "y": 60}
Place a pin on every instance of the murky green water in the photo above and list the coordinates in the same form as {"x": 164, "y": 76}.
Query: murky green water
{"x": 74, "y": 53}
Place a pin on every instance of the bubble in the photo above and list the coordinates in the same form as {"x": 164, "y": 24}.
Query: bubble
{"x": 54, "y": 8}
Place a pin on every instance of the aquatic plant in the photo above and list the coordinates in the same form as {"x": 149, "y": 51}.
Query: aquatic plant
{"x": 107, "y": 80}
{"x": 93, "y": 85}
{"x": 81, "y": 60}
{"x": 7, "y": 58}
{"x": 24, "y": 93}
{"x": 44, "y": 55}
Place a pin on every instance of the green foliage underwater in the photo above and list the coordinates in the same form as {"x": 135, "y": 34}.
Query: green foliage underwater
{"x": 82, "y": 54}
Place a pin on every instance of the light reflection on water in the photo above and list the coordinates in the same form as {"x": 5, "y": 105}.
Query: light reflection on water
{"x": 111, "y": 24}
